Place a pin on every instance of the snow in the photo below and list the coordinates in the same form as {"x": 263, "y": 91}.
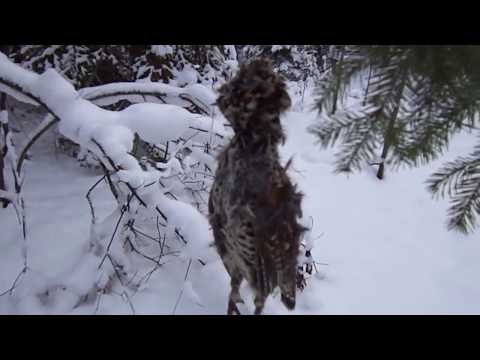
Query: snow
{"x": 156, "y": 123}
{"x": 202, "y": 93}
{"x": 162, "y": 50}
{"x": 230, "y": 49}
{"x": 11, "y": 74}
{"x": 381, "y": 246}
{"x": 8, "y": 195}
{"x": 276, "y": 48}
{"x": 92, "y": 127}
{"x": 192, "y": 224}
{"x": 3, "y": 117}
{"x": 384, "y": 248}
{"x": 108, "y": 94}
{"x": 395, "y": 256}
{"x": 188, "y": 75}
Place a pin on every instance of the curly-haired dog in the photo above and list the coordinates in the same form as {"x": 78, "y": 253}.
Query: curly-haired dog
{"x": 253, "y": 206}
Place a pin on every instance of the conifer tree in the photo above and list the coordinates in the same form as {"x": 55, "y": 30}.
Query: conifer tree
{"x": 184, "y": 64}
{"x": 415, "y": 98}
{"x": 82, "y": 65}
{"x": 294, "y": 62}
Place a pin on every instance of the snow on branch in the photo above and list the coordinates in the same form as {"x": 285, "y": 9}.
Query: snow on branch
{"x": 149, "y": 120}
{"x": 196, "y": 97}
{"x": 110, "y": 136}
{"x": 87, "y": 124}
{"x": 9, "y": 196}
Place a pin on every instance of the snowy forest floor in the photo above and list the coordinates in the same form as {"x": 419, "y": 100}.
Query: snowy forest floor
{"x": 383, "y": 249}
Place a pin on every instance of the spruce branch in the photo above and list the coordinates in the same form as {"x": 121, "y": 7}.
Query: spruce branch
{"x": 460, "y": 179}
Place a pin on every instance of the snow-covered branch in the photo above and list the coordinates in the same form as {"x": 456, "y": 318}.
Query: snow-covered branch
{"x": 82, "y": 121}
{"x": 58, "y": 98}
{"x": 196, "y": 97}
{"x": 109, "y": 135}
{"x": 8, "y": 196}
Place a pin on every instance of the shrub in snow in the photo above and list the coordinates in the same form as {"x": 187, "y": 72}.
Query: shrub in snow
{"x": 153, "y": 198}
{"x": 303, "y": 66}
{"x": 307, "y": 265}
{"x": 155, "y": 144}
{"x": 93, "y": 65}
{"x": 294, "y": 62}
{"x": 82, "y": 65}
{"x": 183, "y": 65}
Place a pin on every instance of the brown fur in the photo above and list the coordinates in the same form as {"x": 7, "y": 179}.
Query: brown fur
{"x": 254, "y": 207}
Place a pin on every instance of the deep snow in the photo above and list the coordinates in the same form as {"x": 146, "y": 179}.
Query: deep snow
{"x": 382, "y": 246}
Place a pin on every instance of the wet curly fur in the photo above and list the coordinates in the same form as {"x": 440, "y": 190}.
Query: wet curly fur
{"x": 253, "y": 206}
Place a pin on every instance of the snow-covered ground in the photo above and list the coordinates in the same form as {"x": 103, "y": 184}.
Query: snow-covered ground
{"x": 382, "y": 246}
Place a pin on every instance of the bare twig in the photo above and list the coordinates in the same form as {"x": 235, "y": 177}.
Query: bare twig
{"x": 136, "y": 230}
{"x": 109, "y": 181}
{"x": 159, "y": 236}
{"x": 3, "y": 150}
{"x": 92, "y": 210}
{"x": 162, "y": 247}
{"x": 46, "y": 124}
{"x": 181, "y": 292}
{"x": 145, "y": 278}
{"x": 131, "y": 279}
{"x": 14, "y": 285}
{"x": 123, "y": 210}
{"x": 135, "y": 250}
{"x": 206, "y": 131}
{"x": 99, "y": 298}
{"x": 24, "y": 231}
{"x": 114, "y": 266}
{"x": 124, "y": 294}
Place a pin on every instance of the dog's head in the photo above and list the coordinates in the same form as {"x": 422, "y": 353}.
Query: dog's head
{"x": 255, "y": 97}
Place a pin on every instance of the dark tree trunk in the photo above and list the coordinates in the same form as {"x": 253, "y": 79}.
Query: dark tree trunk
{"x": 337, "y": 66}
{"x": 381, "y": 170}
{"x": 368, "y": 87}
{"x": 390, "y": 131}
{"x": 387, "y": 142}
